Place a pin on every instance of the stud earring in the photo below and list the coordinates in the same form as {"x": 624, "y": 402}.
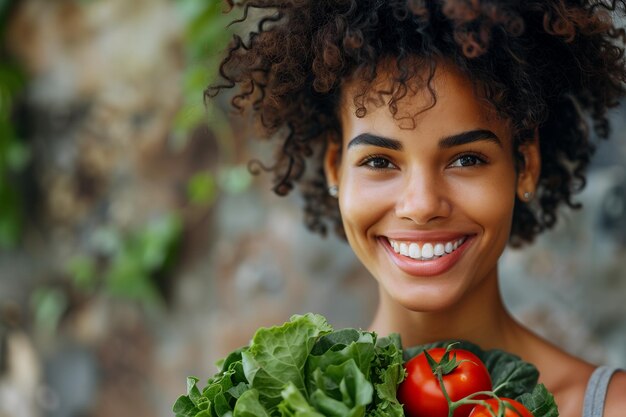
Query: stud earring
{"x": 333, "y": 190}
{"x": 528, "y": 195}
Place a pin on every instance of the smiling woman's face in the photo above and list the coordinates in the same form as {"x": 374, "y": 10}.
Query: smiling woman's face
{"x": 428, "y": 209}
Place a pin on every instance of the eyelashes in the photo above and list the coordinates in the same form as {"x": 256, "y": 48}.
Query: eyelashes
{"x": 466, "y": 159}
{"x": 377, "y": 162}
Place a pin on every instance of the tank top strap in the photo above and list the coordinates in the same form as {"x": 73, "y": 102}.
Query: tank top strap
{"x": 595, "y": 395}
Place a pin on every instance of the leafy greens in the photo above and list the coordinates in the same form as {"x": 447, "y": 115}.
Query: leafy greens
{"x": 304, "y": 368}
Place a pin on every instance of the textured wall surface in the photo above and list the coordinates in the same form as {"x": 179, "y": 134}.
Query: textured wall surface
{"x": 103, "y": 94}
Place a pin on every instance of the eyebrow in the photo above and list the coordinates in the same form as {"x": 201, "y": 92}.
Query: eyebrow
{"x": 459, "y": 139}
{"x": 374, "y": 140}
{"x": 469, "y": 137}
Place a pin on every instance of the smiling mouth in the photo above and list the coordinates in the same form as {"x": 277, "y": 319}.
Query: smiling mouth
{"x": 425, "y": 251}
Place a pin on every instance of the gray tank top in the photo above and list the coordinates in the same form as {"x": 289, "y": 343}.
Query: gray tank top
{"x": 595, "y": 394}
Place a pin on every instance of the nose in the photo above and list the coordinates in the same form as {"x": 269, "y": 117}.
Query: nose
{"x": 423, "y": 199}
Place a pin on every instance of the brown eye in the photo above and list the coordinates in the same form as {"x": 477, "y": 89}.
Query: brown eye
{"x": 468, "y": 160}
{"x": 378, "y": 162}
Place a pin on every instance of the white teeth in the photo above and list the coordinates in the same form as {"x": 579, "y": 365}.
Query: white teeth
{"x": 427, "y": 250}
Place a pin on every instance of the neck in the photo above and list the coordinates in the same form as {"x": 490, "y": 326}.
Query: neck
{"x": 480, "y": 318}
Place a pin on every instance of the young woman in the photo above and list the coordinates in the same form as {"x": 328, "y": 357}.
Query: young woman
{"x": 431, "y": 134}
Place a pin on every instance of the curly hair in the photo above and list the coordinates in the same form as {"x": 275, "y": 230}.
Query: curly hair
{"x": 552, "y": 66}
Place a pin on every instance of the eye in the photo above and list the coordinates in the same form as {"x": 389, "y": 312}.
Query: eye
{"x": 377, "y": 162}
{"x": 468, "y": 160}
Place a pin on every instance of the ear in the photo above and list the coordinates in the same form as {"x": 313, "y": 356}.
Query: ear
{"x": 528, "y": 176}
{"x": 332, "y": 162}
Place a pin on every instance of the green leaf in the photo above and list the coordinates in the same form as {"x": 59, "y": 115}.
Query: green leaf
{"x": 355, "y": 388}
{"x": 248, "y": 405}
{"x": 235, "y": 356}
{"x": 238, "y": 390}
{"x": 510, "y": 376}
{"x": 192, "y": 390}
{"x": 82, "y": 269}
{"x": 48, "y": 304}
{"x": 540, "y": 402}
{"x": 294, "y": 403}
{"x": 202, "y": 188}
{"x": 335, "y": 340}
{"x": 387, "y": 373}
{"x": 277, "y": 356}
{"x": 18, "y": 155}
{"x": 222, "y": 404}
{"x": 391, "y": 378}
{"x": 184, "y": 407}
{"x": 328, "y": 406}
{"x": 339, "y": 347}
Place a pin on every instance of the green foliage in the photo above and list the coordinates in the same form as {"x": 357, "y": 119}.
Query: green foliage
{"x": 305, "y": 369}
{"x": 48, "y": 305}
{"x": 206, "y": 36}
{"x": 130, "y": 261}
{"x": 124, "y": 264}
{"x": 83, "y": 270}
{"x": 302, "y": 369}
{"x": 205, "y": 40}
{"x": 201, "y": 188}
{"x": 234, "y": 179}
{"x": 14, "y": 155}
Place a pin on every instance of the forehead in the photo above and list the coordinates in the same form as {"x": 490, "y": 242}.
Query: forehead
{"x": 444, "y": 99}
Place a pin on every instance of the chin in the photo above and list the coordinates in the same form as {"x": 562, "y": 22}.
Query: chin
{"x": 424, "y": 301}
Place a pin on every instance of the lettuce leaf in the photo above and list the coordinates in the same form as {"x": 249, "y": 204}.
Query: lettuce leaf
{"x": 248, "y": 405}
{"x": 278, "y": 355}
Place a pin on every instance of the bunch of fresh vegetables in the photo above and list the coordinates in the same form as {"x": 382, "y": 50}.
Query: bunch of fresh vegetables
{"x": 306, "y": 369}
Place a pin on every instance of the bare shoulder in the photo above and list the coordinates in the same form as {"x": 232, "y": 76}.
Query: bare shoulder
{"x": 615, "y": 398}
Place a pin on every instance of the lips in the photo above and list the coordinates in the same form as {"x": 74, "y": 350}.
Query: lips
{"x": 426, "y": 255}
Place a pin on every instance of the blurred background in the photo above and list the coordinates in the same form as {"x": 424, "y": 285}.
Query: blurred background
{"x": 136, "y": 249}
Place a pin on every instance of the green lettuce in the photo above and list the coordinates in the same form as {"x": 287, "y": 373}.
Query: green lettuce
{"x": 302, "y": 369}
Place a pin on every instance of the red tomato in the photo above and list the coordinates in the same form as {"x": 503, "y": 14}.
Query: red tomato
{"x": 482, "y": 411}
{"x": 420, "y": 391}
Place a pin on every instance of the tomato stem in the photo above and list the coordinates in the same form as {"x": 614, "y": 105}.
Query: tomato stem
{"x": 447, "y": 365}
{"x": 453, "y": 405}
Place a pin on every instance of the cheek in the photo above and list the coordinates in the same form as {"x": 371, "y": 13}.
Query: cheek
{"x": 363, "y": 202}
{"x": 489, "y": 203}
